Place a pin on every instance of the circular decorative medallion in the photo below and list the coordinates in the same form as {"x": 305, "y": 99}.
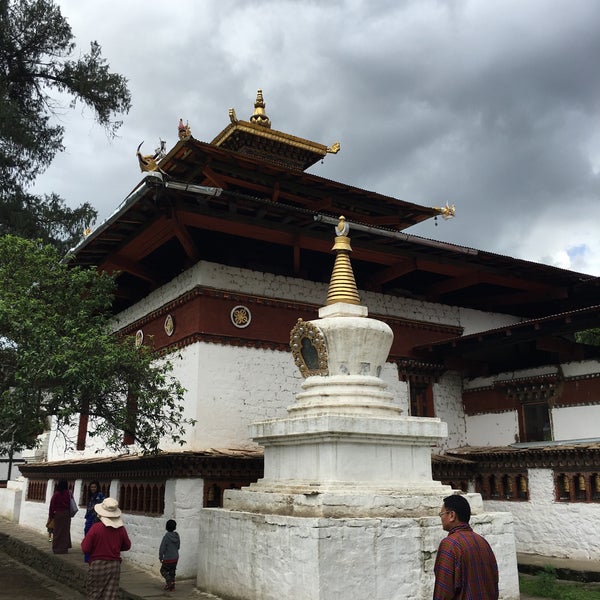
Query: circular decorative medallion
{"x": 139, "y": 338}
{"x": 169, "y": 325}
{"x": 241, "y": 316}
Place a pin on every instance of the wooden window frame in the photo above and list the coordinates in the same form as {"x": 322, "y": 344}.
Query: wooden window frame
{"x": 419, "y": 404}
{"x": 577, "y": 487}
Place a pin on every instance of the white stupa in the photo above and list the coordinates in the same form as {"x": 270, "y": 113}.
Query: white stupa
{"x": 347, "y": 507}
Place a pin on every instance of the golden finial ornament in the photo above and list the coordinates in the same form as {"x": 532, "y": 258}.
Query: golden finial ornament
{"x": 342, "y": 287}
{"x": 260, "y": 116}
{"x": 149, "y": 162}
{"x": 448, "y": 211}
{"x": 334, "y": 148}
{"x": 183, "y": 131}
{"x": 232, "y": 116}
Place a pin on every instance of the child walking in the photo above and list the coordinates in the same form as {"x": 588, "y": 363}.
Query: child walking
{"x": 168, "y": 554}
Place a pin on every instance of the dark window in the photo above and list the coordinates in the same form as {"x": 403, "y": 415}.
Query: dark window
{"x": 36, "y": 490}
{"x": 421, "y": 399}
{"x": 147, "y": 498}
{"x": 85, "y": 491}
{"x": 535, "y": 425}
{"x": 577, "y": 487}
{"x": 522, "y": 491}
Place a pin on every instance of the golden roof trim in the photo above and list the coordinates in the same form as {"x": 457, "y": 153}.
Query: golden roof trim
{"x": 270, "y": 134}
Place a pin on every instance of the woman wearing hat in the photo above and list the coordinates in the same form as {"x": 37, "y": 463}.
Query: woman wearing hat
{"x": 104, "y": 543}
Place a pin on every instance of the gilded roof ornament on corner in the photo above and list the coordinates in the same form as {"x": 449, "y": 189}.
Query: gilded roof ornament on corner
{"x": 183, "y": 131}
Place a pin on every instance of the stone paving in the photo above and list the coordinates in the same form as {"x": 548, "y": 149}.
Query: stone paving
{"x": 20, "y": 582}
{"x": 31, "y": 548}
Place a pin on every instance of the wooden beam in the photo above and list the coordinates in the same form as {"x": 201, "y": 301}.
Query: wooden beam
{"x": 276, "y": 235}
{"x": 152, "y": 237}
{"x": 399, "y": 269}
{"x": 213, "y": 178}
{"x": 185, "y": 239}
{"x": 453, "y": 284}
{"x": 117, "y": 262}
{"x": 517, "y": 298}
{"x": 275, "y": 193}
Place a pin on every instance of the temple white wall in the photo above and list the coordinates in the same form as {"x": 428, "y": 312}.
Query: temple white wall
{"x": 183, "y": 502}
{"x": 230, "y": 387}
{"x": 495, "y": 429}
{"x": 447, "y": 398}
{"x": 534, "y": 521}
{"x": 288, "y": 288}
{"x": 481, "y": 382}
{"x": 502, "y": 429}
{"x": 549, "y": 528}
{"x": 576, "y": 422}
{"x": 474, "y": 321}
{"x": 581, "y": 367}
{"x": 568, "y": 422}
{"x": 10, "y": 500}
{"x": 235, "y": 386}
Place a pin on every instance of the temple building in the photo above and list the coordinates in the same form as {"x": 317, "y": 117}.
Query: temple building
{"x": 223, "y": 246}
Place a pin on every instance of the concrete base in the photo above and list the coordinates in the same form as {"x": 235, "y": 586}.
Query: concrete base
{"x": 340, "y": 500}
{"x": 249, "y": 556}
{"x": 355, "y": 448}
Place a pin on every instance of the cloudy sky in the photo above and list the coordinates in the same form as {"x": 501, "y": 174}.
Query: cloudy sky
{"x": 491, "y": 105}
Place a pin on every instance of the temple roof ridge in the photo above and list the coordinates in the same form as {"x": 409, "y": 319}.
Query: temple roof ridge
{"x": 256, "y": 138}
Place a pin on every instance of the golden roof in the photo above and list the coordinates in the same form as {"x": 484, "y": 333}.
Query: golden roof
{"x": 256, "y": 138}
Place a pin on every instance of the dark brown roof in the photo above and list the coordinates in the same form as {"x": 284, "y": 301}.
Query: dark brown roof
{"x": 207, "y": 463}
{"x": 531, "y": 343}
{"x": 276, "y": 220}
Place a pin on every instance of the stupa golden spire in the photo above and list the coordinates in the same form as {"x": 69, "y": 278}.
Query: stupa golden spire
{"x": 342, "y": 287}
{"x": 260, "y": 116}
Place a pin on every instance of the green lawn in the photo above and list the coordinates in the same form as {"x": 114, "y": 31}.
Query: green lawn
{"x": 546, "y": 585}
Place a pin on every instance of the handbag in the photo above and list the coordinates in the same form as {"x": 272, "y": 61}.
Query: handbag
{"x": 73, "y": 506}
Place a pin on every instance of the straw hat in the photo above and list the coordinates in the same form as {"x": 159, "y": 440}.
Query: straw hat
{"x": 109, "y": 512}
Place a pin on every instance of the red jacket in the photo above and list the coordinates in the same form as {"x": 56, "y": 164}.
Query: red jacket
{"x": 61, "y": 500}
{"x": 105, "y": 543}
{"x": 465, "y": 567}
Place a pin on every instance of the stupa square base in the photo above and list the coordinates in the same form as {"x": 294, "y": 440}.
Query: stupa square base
{"x": 250, "y": 556}
{"x": 340, "y": 500}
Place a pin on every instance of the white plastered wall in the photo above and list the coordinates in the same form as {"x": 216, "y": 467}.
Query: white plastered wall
{"x": 447, "y": 397}
{"x": 229, "y": 387}
{"x": 576, "y": 422}
{"x": 494, "y": 429}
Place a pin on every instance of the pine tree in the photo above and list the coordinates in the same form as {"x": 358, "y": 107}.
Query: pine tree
{"x": 36, "y": 49}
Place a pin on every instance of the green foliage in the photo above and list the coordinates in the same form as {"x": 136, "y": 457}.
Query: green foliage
{"x": 59, "y": 357}
{"x": 36, "y": 45}
{"x": 546, "y": 585}
{"x": 46, "y": 218}
{"x": 589, "y": 336}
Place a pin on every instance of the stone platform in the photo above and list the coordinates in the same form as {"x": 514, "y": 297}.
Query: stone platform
{"x": 302, "y": 558}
